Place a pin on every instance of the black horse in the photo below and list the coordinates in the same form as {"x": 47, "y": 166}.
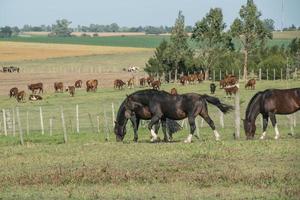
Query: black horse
{"x": 140, "y": 113}
{"x": 161, "y": 105}
{"x": 268, "y": 103}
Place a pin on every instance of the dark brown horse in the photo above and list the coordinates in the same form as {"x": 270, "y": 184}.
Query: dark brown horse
{"x": 36, "y": 86}
{"x": 118, "y": 84}
{"x": 91, "y": 85}
{"x": 78, "y": 84}
{"x": 162, "y": 105}
{"x": 269, "y": 103}
{"x": 71, "y": 90}
{"x": 20, "y": 96}
{"x": 13, "y": 92}
{"x": 59, "y": 86}
{"x": 250, "y": 84}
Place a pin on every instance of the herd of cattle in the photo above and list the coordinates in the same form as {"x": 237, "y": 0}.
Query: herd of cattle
{"x": 91, "y": 85}
{"x": 229, "y": 84}
{"x": 10, "y": 69}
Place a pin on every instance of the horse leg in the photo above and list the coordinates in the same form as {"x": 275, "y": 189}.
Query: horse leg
{"x": 135, "y": 123}
{"x": 274, "y": 123}
{"x": 265, "y": 125}
{"x": 153, "y": 121}
{"x": 211, "y": 123}
{"x": 192, "y": 129}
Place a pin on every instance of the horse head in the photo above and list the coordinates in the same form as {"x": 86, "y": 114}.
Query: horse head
{"x": 120, "y": 131}
{"x": 250, "y": 128}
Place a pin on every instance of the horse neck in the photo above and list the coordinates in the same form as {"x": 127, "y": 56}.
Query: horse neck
{"x": 253, "y": 109}
{"x": 121, "y": 119}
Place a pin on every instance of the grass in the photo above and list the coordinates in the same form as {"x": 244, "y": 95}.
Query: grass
{"x": 87, "y": 167}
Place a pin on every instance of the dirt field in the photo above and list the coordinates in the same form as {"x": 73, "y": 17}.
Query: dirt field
{"x": 16, "y": 51}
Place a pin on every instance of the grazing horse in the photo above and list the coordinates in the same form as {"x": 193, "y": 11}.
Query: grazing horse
{"x": 35, "y": 97}
{"x": 59, "y": 86}
{"x": 143, "y": 82}
{"x": 78, "y": 84}
{"x": 91, "y": 85}
{"x": 212, "y": 88}
{"x": 130, "y": 83}
{"x": 118, "y": 83}
{"x": 71, "y": 90}
{"x": 156, "y": 85}
{"x": 36, "y": 86}
{"x": 140, "y": 113}
{"x": 13, "y": 92}
{"x": 250, "y": 84}
{"x": 163, "y": 105}
{"x": 20, "y": 96}
{"x": 269, "y": 103}
{"x": 174, "y": 91}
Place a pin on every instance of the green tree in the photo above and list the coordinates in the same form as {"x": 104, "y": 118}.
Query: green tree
{"x": 212, "y": 39}
{"x": 250, "y": 30}
{"x": 269, "y": 24}
{"x": 6, "y": 31}
{"x": 178, "y": 48}
{"x": 61, "y": 28}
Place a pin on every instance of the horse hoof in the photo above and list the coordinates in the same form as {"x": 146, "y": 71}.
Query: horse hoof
{"x": 276, "y": 137}
{"x": 187, "y": 141}
{"x": 261, "y": 138}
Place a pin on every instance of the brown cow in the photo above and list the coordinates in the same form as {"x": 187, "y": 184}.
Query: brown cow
{"x": 156, "y": 84}
{"x": 231, "y": 90}
{"x": 91, "y": 85}
{"x": 13, "y": 92}
{"x": 35, "y": 97}
{"x": 118, "y": 83}
{"x": 71, "y": 90}
{"x": 174, "y": 91}
{"x": 250, "y": 84}
{"x": 78, "y": 84}
{"x": 36, "y": 86}
{"x": 143, "y": 82}
{"x": 183, "y": 80}
{"x": 200, "y": 76}
{"x": 150, "y": 79}
{"x": 59, "y": 86}
{"x": 20, "y": 96}
{"x": 230, "y": 79}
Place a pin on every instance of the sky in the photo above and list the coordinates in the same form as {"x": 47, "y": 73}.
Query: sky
{"x": 137, "y": 12}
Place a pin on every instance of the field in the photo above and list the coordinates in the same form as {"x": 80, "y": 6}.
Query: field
{"x": 88, "y": 167}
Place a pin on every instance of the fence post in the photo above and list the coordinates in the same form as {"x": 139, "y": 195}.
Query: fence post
{"x": 42, "y": 121}
{"x": 237, "y": 115}
{"x": 4, "y": 122}
{"x": 20, "y": 126}
{"x": 274, "y": 76}
{"x": 63, "y": 124}
{"x": 98, "y": 124}
{"x": 267, "y": 74}
{"x": 221, "y": 119}
{"x": 214, "y": 76}
{"x": 239, "y": 74}
{"x": 259, "y": 74}
{"x": 77, "y": 118}
{"x": 220, "y": 77}
{"x": 50, "y": 125}
{"x": 113, "y": 114}
{"x": 13, "y": 121}
{"x": 281, "y": 74}
{"x": 106, "y": 127}
{"x": 169, "y": 76}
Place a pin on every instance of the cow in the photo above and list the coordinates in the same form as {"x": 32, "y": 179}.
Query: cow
{"x": 36, "y": 86}
{"x": 250, "y": 84}
{"x": 35, "y": 97}
{"x": 212, "y": 88}
{"x": 143, "y": 82}
{"x": 156, "y": 85}
{"x": 13, "y": 92}
{"x": 78, "y": 84}
{"x": 91, "y": 85}
{"x": 150, "y": 79}
{"x": 118, "y": 84}
{"x": 231, "y": 90}
{"x": 20, "y": 96}
{"x": 59, "y": 86}
{"x": 183, "y": 80}
{"x": 71, "y": 90}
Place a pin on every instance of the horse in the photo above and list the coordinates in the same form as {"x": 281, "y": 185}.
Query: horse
{"x": 59, "y": 86}
{"x": 212, "y": 88}
{"x": 71, "y": 90}
{"x": 118, "y": 83}
{"x": 250, "y": 84}
{"x": 156, "y": 85}
{"x": 21, "y": 96}
{"x": 163, "y": 105}
{"x": 78, "y": 84}
{"x": 36, "y": 86}
{"x": 35, "y": 97}
{"x": 91, "y": 85}
{"x": 140, "y": 113}
{"x": 173, "y": 91}
{"x": 269, "y": 103}
{"x": 130, "y": 83}
{"x": 13, "y": 92}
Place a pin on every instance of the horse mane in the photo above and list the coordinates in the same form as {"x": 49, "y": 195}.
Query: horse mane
{"x": 250, "y": 104}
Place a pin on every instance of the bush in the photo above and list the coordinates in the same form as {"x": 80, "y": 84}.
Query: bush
{"x": 272, "y": 62}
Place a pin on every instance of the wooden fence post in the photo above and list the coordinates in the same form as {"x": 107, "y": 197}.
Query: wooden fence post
{"x": 259, "y": 74}
{"x": 170, "y": 77}
{"x": 63, "y": 125}
{"x": 281, "y": 74}
{"x": 4, "y": 122}
{"x": 77, "y": 118}
{"x": 221, "y": 119}
{"x": 237, "y": 115}
{"x": 267, "y": 74}
{"x": 106, "y": 126}
{"x": 214, "y": 76}
{"x": 239, "y": 74}
{"x": 98, "y": 124}
{"x": 20, "y": 126}
{"x": 42, "y": 121}
{"x": 220, "y": 77}
{"x": 274, "y": 75}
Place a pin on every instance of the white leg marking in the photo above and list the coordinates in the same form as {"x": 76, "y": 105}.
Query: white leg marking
{"x": 276, "y": 132}
{"x": 154, "y": 136}
{"x": 217, "y": 135}
{"x": 188, "y": 139}
{"x": 263, "y": 135}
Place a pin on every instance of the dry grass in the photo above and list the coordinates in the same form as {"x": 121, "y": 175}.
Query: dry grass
{"x": 16, "y": 51}
{"x": 286, "y": 34}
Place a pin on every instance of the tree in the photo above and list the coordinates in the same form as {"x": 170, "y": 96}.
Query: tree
{"x": 211, "y": 38}
{"x": 6, "y": 31}
{"x": 178, "y": 48}
{"x": 250, "y": 30}
{"x": 269, "y": 24}
{"x": 61, "y": 28}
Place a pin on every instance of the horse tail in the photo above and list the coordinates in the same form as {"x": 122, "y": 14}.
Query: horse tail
{"x": 172, "y": 126}
{"x": 215, "y": 101}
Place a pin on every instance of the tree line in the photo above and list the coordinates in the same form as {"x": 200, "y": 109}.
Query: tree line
{"x": 242, "y": 45}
